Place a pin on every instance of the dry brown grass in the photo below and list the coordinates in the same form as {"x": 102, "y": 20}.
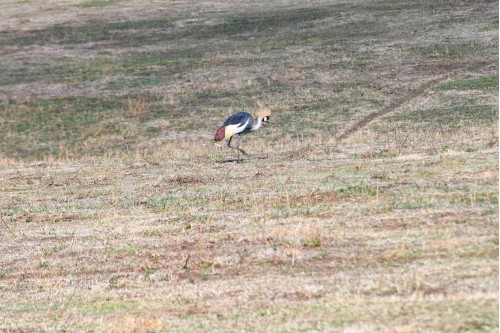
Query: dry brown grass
{"x": 177, "y": 241}
{"x": 137, "y": 108}
{"x": 119, "y": 214}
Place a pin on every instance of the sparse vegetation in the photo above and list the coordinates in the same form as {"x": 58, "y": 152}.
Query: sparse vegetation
{"x": 119, "y": 214}
{"x": 489, "y": 82}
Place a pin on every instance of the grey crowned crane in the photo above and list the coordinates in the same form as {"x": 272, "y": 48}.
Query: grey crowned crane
{"x": 240, "y": 124}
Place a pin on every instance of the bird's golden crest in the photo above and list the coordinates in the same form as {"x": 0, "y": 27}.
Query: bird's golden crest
{"x": 263, "y": 111}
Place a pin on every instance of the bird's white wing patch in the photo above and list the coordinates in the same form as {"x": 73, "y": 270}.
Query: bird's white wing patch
{"x": 235, "y": 129}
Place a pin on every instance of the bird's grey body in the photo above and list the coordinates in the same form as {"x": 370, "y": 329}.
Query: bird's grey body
{"x": 243, "y": 120}
{"x": 239, "y": 124}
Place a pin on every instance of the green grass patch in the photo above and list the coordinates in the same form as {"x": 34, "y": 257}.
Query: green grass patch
{"x": 265, "y": 22}
{"x": 147, "y": 69}
{"x": 487, "y": 82}
{"x": 156, "y": 30}
{"x": 116, "y": 32}
{"x": 453, "y": 51}
{"x": 491, "y": 26}
{"x": 456, "y": 116}
{"x": 111, "y": 306}
{"x": 135, "y": 83}
{"x": 358, "y": 189}
{"x": 37, "y": 128}
{"x": 96, "y": 3}
{"x": 68, "y": 72}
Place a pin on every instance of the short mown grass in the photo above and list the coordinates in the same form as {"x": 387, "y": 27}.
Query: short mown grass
{"x": 488, "y": 82}
{"x": 96, "y": 3}
{"x": 456, "y": 116}
{"x": 118, "y": 213}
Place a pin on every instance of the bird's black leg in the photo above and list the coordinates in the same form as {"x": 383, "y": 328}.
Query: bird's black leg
{"x": 229, "y": 144}
{"x": 242, "y": 151}
{"x": 238, "y": 149}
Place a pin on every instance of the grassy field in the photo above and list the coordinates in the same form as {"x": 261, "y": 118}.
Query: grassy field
{"x": 369, "y": 203}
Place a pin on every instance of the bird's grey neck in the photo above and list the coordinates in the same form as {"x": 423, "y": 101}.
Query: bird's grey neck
{"x": 257, "y": 125}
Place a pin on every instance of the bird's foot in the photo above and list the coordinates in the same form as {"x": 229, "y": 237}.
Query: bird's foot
{"x": 243, "y": 152}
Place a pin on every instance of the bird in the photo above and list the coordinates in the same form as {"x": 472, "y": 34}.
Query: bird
{"x": 241, "y": 124}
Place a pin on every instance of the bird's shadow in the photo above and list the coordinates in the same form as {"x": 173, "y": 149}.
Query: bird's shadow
{"x": 231, "y": 160}
{"x": 243, "y": 160}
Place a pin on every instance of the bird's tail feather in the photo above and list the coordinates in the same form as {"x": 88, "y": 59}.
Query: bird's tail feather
{"x": 221, "y": 133}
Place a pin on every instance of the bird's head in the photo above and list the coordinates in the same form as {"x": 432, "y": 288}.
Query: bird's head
{"x": 264, "y": 114}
